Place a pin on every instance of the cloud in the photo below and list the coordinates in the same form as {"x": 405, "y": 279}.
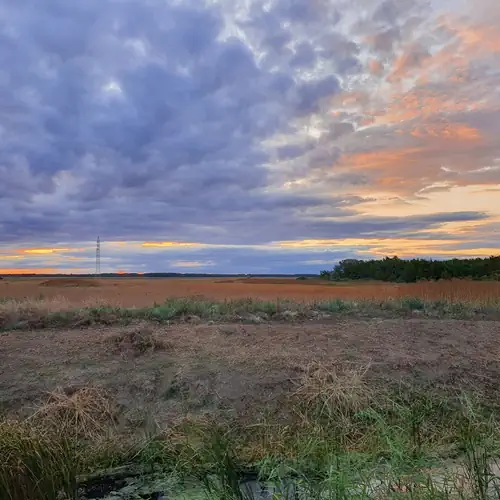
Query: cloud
{"x": 217, "y": 123}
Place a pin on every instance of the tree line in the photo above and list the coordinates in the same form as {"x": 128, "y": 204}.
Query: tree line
{"x": 412, "y": 270}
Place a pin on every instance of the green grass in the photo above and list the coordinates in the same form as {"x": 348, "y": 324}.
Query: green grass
{"x": 35, "y": 464}
{"x": 337, "y": 440}
{"x": 44, "y": 313}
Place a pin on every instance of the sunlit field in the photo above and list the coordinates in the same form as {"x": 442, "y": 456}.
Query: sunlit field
{"x": 140, "y": 292}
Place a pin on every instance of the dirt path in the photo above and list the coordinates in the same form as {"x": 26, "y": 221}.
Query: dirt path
{"x": 241, "y": 368}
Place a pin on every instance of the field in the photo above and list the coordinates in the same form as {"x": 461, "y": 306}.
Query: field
{"x": 337, "y": 391}
{"x": 137, "y": 292}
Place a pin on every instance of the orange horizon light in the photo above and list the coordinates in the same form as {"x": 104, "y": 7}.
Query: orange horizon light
{"x": 7, "y": 271}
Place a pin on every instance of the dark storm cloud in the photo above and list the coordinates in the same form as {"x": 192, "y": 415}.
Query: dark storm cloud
{"x": 144, "y": 102}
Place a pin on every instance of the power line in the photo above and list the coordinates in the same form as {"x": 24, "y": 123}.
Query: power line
{"x": 98, "y": 257}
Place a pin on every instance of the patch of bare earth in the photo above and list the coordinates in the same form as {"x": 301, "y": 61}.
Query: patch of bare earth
{"x": 159, "y": 374}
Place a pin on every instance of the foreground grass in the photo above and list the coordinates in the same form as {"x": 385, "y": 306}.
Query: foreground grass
{"x": 43, "y": 313}
{"x": 334, "y": 439}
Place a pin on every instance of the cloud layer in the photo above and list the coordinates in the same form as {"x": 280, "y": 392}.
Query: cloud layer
{"x": 249, "y": 128}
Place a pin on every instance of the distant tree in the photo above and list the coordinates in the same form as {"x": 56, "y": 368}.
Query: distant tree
{"x": 412, "y": 270}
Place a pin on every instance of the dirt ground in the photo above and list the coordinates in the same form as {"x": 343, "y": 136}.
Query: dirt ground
{"x": 129, "y": 292}
{"x": 156, "y": 374}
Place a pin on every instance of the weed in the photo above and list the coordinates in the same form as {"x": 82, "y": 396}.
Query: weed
{"x": 413, "y": 303}
{"x": 336, "y": 306}
{"x": 222, "y": 481}
{"x": 36, "y": 465}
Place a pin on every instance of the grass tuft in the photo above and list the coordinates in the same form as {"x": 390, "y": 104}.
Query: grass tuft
{"x": 86, "y": 413}
{"x": 138, "y": 342}
{"x": 334, "y": 392}
{"x": 35, "y": 464}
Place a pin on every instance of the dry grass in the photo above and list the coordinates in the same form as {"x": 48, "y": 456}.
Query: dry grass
{"x": 142, "y": 292}
{"x": 68, "y": 434}
{"x": 138, "y": 342}
{"x": 31, "y": 310}
{"x": 87, "y": 413}
{"x": 478, "y": 292}
{"x": 334, "y": 389}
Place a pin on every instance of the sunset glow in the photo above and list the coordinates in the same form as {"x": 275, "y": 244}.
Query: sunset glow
{"x": 48, "y": 270}
{"x": 44, "y": 251}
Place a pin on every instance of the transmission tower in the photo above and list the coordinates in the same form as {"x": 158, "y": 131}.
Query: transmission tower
{"x": 98, "y": 257}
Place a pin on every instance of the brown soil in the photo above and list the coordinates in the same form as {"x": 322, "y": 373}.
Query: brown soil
{"x": 157, "y": 374}
{"x": 129, "y": 292}
{"x": 64, "y": 282}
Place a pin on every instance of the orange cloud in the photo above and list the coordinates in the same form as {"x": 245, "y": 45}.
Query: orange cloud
{"x": 355, "y": 242}
{"x": 44, "y": 251}
{"x": 426, "y": 252}
{"x": 384, "y": 158}
{"x": 438, "y": 152}
{"x": 403, "y": 247}
{"x": 419, "y": 103}
{"x": 467, "y": 42}
{"x": 375, "y": 67}
{"x": 399, "y": 170}
{"x": 477, "y": 38}
{"x": 409, "y": 60}
{"x": 447, "y": 64}
{"x": 447, "y": 131}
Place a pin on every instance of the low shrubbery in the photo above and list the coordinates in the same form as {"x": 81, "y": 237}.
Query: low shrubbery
{"x": 41, "y": 313}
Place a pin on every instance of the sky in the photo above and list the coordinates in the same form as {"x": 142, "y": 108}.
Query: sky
{"x": 247, "y": 136}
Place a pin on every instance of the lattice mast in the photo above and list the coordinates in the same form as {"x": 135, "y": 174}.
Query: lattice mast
{"x": 98, "y": 257}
